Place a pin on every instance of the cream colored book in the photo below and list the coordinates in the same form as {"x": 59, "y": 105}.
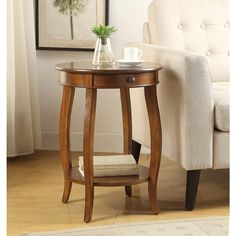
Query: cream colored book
{"x": 107, "y": 173}
{"x": 111, "y": 162}
{"x": 119, "y": 165}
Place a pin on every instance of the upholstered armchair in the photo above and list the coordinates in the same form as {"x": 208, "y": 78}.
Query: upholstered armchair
{"x": 190, "y": 38}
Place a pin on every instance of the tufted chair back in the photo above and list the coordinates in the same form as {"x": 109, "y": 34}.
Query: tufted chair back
{"x": 201, "y": 26}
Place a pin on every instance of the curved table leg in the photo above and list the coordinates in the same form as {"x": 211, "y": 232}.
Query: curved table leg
{"x": 127, "y": 127}
{"x": 156, "y": 142}
{"x": 65, "y": 115}
{"x": 67, "y": 190}
{"x": 89, "y": 122}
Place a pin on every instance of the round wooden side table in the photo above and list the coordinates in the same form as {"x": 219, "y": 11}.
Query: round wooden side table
{"x": 85, "y": 75}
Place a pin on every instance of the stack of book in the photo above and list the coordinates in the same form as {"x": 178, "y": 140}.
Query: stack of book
{"x": 119, "y": 165}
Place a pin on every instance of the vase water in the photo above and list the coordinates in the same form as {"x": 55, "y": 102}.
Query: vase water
{"x": 103, "y": 54}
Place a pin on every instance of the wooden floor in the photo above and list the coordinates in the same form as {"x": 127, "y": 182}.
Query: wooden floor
{"x": 35, "y": 185}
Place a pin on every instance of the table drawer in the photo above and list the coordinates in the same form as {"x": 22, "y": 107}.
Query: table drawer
{"x": 125, "y": 80}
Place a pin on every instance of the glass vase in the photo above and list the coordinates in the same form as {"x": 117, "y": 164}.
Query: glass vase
{"x": 103, "y": 54}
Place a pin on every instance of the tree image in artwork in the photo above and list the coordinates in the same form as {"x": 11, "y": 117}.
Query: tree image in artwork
{"x": 70, "y": 7}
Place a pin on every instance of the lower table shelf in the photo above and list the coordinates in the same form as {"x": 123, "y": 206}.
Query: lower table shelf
{"x": 142, "y": 177}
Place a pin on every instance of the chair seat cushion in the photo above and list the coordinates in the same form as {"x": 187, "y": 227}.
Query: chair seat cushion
{"x": 221, "y": 105}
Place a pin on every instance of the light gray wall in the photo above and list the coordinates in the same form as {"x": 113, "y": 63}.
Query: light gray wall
{"x": 128, "y": 17}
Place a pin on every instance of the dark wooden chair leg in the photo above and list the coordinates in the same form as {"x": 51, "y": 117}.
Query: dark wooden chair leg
{"x": 136, "y": 148}
{"x": 193, "y": 177}
{"x": 128, "y": 191}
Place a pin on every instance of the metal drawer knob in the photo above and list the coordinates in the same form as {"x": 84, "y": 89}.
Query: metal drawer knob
{"x": 131, "y": 79}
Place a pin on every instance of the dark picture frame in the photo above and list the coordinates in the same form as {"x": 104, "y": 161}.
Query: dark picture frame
{"x": 69, "y": 44}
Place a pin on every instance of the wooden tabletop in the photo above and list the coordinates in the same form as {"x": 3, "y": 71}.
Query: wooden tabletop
{"x": 88, "y": 67}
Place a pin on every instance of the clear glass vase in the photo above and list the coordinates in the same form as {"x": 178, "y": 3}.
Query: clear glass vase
{"x": 103, "y": 54}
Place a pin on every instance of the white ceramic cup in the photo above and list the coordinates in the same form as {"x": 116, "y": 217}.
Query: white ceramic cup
{"x": 132, "y": 54}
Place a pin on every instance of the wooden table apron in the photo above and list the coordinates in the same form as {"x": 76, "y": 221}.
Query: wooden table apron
{"x": 117, "y": 79}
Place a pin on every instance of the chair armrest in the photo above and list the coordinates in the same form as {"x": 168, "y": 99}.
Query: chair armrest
{"x": 186, "y": 105}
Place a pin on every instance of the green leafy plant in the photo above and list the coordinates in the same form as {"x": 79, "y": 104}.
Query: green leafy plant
{"x": 70, "y": 7}
{"x": 103, "y": 31}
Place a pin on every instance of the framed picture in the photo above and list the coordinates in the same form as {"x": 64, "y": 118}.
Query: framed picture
{"x": 64, "y": 25}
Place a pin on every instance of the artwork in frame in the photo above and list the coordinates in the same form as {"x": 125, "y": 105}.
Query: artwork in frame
{"x": 64, "y": 25}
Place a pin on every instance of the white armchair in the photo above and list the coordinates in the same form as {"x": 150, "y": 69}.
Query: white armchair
{"x": 190, "y": 39}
